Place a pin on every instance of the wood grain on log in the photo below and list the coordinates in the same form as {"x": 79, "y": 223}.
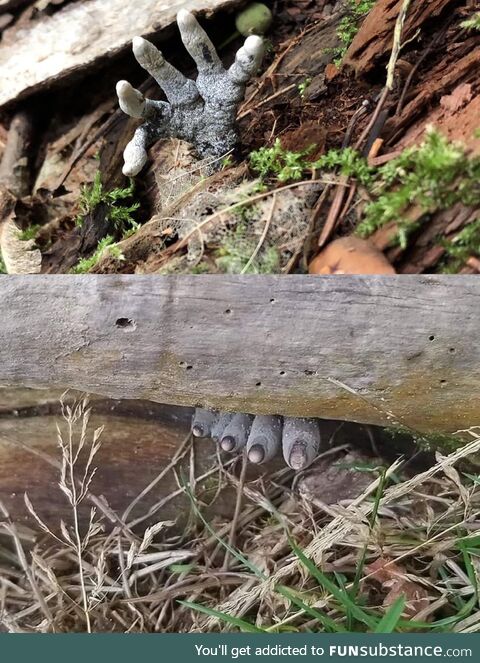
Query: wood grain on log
{"x": 80, "y": 36}
{"x": 368, "y": 349}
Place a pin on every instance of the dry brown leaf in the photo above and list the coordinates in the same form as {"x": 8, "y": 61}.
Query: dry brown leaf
{"x": 394, "y": 579}
{"x": 350, "y": 255}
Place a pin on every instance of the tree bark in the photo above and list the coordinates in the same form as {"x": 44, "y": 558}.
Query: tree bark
{"x": 386, "y": 351}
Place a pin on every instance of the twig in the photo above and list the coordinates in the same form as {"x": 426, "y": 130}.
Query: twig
{"x": 236, "y": 514}
{"x": 96, "y": 501}
{"x": 181, "y": 452}
{"x": 10, "y": 528}
{"x": 263, "y": 237}
{"x": 14, "y": 167}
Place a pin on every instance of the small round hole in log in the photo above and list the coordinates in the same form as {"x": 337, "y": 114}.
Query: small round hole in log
{"x": 431, "y": 337}
{"x": 127, "y": 324}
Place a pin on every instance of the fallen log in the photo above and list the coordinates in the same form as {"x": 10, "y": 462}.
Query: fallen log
{"x": 81, "y": 36}
{"x": 378, "y": 350}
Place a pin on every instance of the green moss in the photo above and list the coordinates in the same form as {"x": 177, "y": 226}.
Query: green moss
{"x": 3, "y": 269}
{"x": 472, "y": 23}
{"x": 120, "y": 215}
{"x": 434, "y": 175}
{"x": 283, "y": 165}
{"x": 429, "y": 442}
{"x": 237, "y": 250}
{"x": 350, "y": 25}
{"x": 458, "y": 250}
{"x": 29, "y": 233}
{"x": 106, "y": 244}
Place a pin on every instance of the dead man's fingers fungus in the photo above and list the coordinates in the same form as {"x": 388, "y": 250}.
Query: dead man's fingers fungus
{"x": 202, "y": 113}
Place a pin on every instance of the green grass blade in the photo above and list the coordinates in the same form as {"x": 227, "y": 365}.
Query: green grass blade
{"x": 390, "y": 619}
{"x": 342, "y": 597}
{"x": 228, "y": 619}
{"x": 238, "y": 555}
{"x": 325, "y": 620}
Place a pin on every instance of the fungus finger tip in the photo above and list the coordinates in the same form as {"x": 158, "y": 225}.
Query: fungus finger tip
{"x": 298, "y": 458}
{"x": 254, "y": 45}
{"x": 228, "y": 443}
{"x": 186, "y": 19}
{"x": 256, "y": 454}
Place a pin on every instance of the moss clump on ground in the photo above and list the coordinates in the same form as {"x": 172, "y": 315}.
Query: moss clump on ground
{"x": 105, "y": 244}
{"x": 235, "y": 255}
{"x": 119, "y": 214}
{"x": 432, "y": 176}
{"x": 350, "y": 25}
{"x": 458, "y": 250}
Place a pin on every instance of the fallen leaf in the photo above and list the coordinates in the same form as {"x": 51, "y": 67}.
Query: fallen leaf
{"x": 394, "y": 579}
{"x": 350, "y": 255}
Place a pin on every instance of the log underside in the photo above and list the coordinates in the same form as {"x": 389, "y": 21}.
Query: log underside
{"x": 138, "y": 443}
{"x": 386, "y": 351}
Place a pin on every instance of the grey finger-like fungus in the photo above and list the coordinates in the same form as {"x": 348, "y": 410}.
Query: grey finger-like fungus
{"x": 265, "y": 438}
{"x": 300, "y": 441}
{"x": 202, "y": 423}
{"x": 236, "y": 433}
{"x": 221, "y": 422}
{"x": 202, "y": 113}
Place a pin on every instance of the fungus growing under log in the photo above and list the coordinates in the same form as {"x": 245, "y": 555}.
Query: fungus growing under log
{"x": 202, "y": 113}
{"x": 263, "y": 436}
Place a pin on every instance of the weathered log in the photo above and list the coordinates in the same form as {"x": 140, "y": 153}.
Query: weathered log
{"x": 379, "y": 350}
{"x": 80, "y": 36}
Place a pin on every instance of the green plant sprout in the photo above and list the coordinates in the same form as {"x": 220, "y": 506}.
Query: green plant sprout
{"x": 104, "y": 245}
{"x": 472, "y": 23}
{"x": 349, "y": 26}
{"x": 303, "y": 87}
{"x": 120, "y": 215}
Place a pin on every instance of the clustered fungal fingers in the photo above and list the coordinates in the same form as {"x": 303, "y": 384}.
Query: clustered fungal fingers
{"x": 262, "y": 435}
{"x": 300, "y": 442}
{"x": 202, "y": 422}
{"x": 265, "y": 438}
{"x": 236, "y": 433}
{"x": 202, "y": 112}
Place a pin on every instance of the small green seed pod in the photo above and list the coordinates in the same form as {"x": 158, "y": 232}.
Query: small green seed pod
{"x": 202, "y": 422}
{"x": 235, "y": 435}
{"x": 300, "y": 442}
{"x": 256, "y": 19}
{"x": 264, "y": 439}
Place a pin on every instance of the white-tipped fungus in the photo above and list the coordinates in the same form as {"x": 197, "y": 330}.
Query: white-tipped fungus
{"x": 202, "y": 113}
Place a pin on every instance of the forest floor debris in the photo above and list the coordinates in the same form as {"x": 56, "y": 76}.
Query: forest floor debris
{"x": 355, "y": 543}
{"x": 326, "y": 130}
